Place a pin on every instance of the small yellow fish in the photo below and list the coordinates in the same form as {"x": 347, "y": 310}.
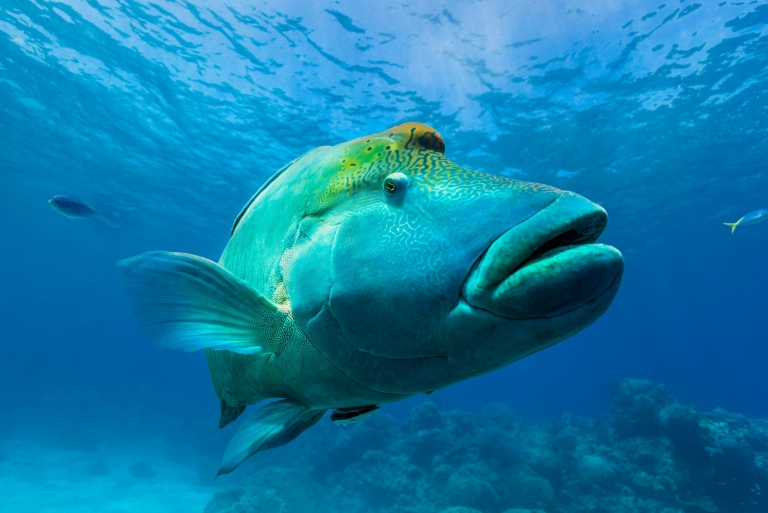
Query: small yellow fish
{"x": 753, "y": 217}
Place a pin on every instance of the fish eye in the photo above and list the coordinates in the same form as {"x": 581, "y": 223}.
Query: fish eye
{"x": 395, "y": 184}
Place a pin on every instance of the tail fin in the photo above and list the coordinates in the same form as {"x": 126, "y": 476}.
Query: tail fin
{"x": 733, "y": 225}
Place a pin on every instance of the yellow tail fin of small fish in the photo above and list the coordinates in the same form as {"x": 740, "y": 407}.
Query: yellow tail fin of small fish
{"x": 733, "y": 225}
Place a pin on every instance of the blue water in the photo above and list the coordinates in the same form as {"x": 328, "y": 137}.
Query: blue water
{"x": 167, "y": 116}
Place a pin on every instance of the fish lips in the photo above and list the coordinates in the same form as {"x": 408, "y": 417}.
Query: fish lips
{"x": 547, "y": 265}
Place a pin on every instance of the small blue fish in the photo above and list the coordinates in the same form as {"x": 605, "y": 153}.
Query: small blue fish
{"x": 72, "y": 207}
{"x": 75, "y": 208}
{"x": 754, "y": 217}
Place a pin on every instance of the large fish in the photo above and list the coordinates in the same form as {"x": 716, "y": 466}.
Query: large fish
{"x": 371, "y": 271}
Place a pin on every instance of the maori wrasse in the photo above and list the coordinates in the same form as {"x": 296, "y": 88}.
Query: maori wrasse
{"x": 371, "y": 271}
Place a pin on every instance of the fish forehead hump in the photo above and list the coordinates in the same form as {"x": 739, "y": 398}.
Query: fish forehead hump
{"x": 279, "y": 218}
{"x": 315, "y": 183}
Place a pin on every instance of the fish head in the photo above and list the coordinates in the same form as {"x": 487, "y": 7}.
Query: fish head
{"x": 403, "y": 256}
{"x": 60, "y": 203}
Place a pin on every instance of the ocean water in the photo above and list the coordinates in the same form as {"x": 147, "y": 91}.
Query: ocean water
{"x": 168, "y": 116}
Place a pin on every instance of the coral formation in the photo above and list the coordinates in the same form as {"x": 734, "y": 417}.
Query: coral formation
{"x": 274, "y": 490}
{"x": 651, "y": 455}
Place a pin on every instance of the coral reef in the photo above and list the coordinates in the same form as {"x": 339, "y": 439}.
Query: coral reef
{"x": 651, "y": 455}
{"x": 274, "y": 490}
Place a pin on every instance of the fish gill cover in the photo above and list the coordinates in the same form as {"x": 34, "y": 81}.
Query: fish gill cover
{"x": 166, "y": 117}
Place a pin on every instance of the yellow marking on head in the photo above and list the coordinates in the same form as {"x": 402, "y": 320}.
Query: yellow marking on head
{"x": 410, "y": 148}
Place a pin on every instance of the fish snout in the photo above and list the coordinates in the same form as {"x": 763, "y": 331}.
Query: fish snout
{"x": 548, "y": 264}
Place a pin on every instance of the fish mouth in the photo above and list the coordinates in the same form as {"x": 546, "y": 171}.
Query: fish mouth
{"x": 547, "y": 265}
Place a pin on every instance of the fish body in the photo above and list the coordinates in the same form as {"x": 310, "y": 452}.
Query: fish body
{"x": 754, "y": 217}
{"x": 371, "y": 271}
{"x": 72, "y": 207}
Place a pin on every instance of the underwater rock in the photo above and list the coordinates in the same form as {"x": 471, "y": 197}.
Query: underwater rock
{"x": 636, "y": 407}
{"x": 142, "y": 470}
{"x": 680, "y": 421}
{"x": 681, "y": 426}
{"x": 596, "y": 469}
{"x": 527, "y": 490}
{"x": 427, "y": 444}
{"x": 503, "y": 418}
{"x": 496, "y": 446}
{"x": 425, "y": 416}
{"x": 465, "y": 489}
{"x": 735, "y": 473}
{"x": 697, "y": 502}
{"x": 343, "y": 445}
{"x": 97, "y": 468}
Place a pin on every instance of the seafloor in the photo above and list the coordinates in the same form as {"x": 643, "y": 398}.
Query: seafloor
{"x": 650, "y": 454}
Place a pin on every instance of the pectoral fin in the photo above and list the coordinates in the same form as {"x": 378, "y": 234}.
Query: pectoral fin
{"x": 188, "y": 302}
{"x": 274, "y": 425}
